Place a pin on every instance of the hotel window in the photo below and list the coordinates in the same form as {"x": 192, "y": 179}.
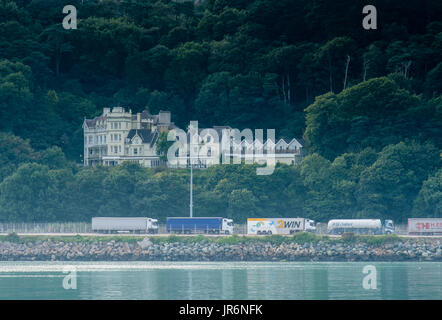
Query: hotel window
{"x": 119, "y": 137}
{"x": 90, "y": 139}
{"x": 104, "y": 139}
{"x": 126, "y": 151}
{"x": 119, "y": 125}
{"x": 135, "y": 150}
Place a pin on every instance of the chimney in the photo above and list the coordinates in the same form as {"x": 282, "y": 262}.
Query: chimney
{"x": 164, "y": 117}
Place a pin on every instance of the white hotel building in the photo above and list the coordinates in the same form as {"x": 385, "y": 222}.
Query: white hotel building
{"x": 118, "y": 136}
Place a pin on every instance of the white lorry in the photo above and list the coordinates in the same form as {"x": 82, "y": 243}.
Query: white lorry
{"x": 282, "y": 226}
{"x": 120, "y": 225}
{"x": 360, "y": 226}
{"x": 425, "y": 226}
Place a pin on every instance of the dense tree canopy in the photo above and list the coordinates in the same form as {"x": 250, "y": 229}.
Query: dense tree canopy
{"x": 398, "y": 182}
{"x": 247, "y": 63}
{"x": 367, "y": 102}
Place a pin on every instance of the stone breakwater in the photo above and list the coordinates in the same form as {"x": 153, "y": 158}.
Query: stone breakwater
{"x": 408, "y": 250}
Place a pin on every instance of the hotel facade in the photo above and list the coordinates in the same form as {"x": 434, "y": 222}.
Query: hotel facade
{"x": 119, "y": 135}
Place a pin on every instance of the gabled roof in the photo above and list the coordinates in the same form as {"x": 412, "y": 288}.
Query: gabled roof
{"x": 281, "y": 141}
{"x": 296, "y": 142}
{"x": 146, "y": 135}
{"x": 91, "y": 123}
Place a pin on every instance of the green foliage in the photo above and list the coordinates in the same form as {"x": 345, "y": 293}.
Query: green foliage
{"x": 374, "y": 114}
{"x": 391, "y": 183}
{"x": 13, "y": 152}
{"x": 244, "y": 63}
{"x": 163, "y": 145}
{"x": 397, "y": 183}
{"x": 231, "y": 240}
{"x": 349, "y": 237}
{"x": 429, "y": 200}
{"x": 12, "y": 237}
{"x": 380, "y": 240}
{"x": 299, "y": 238}
{"x": 373, "y": 138}
{"x": 433, "y": 82}
{"x": 305, "y": 237}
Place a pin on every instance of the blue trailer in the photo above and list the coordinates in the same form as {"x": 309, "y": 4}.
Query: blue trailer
{"x": 188, "y": 225}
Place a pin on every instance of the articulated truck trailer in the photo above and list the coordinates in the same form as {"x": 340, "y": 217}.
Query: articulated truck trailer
{"x": 281, "y": 226}
{"x": 425, "y": 226}
{"x": 118, "y": 225}
{"x": 360, "y": 226}
{"x": 216, "y": 225}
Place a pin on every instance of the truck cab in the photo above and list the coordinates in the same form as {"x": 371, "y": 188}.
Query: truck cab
{"x": 152, "y": 225}
{"x": 309, "y": 225}
{"x": 227, "y": 226}
{"x": 388, "y": 227}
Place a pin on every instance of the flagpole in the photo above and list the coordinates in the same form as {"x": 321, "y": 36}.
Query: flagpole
{"x": 191, "y": 188}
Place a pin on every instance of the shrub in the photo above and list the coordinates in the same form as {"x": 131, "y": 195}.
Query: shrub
{"x": 348, "y": 237}
{"x": 305, "y": 237}
{"x": 379, "y": 240}
{"x": 233, "y": 239}
{"x": 12, "y": 237}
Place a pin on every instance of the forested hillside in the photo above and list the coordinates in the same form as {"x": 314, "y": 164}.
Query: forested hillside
{"x": 367, "y": 102}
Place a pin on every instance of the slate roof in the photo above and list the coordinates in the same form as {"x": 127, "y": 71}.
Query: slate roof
{"x": 146, "y": 135}
{"x": 92, "y": 122}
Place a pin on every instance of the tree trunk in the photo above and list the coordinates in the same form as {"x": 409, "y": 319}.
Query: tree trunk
{"x": 365, "y": 66}
{"x": 346, "y": 71}
{"x": 330, "y": 72}
{"x": 288, "y": 88}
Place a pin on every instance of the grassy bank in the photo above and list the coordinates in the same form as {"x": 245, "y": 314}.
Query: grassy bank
{"x": 299, "y": 238}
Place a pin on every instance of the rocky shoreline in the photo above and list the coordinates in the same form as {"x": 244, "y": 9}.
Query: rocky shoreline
{"x": 145, "y": 250}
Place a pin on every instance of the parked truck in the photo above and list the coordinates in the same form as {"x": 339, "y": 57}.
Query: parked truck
{"x": 215, "y": 225}
{"x": 425, "y": 226}
{"x": 281, "y": 226}
{"x": 119, "y": 225}
{"x": 360, "y": 226}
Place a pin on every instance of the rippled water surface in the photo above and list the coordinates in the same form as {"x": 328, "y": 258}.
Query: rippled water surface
{"x": 218, "y": 280}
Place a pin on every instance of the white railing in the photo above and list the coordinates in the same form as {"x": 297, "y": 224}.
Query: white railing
{"x": 31, "y": 227}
